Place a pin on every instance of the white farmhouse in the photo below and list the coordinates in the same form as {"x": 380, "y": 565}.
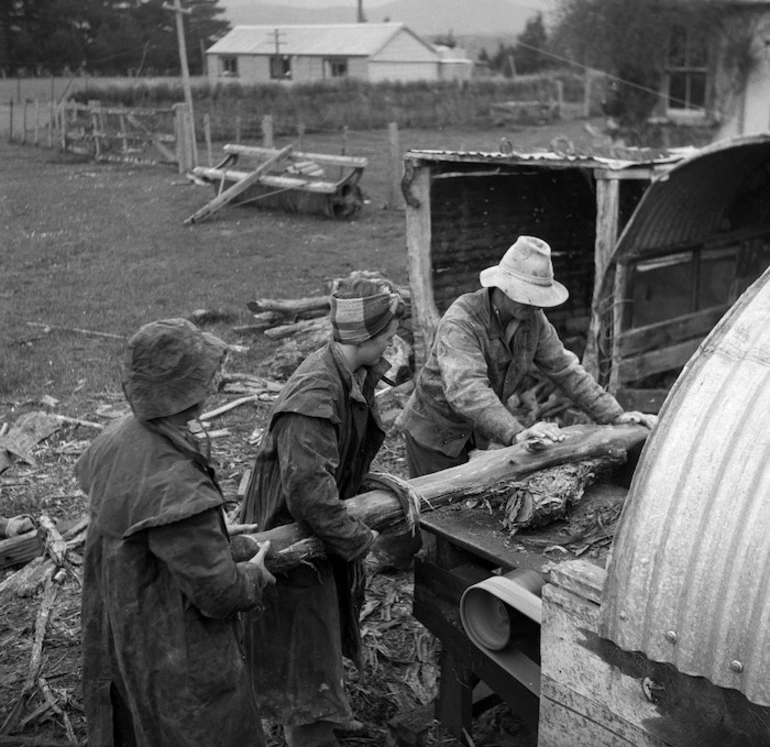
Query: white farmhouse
{"x": 304, "y": 54}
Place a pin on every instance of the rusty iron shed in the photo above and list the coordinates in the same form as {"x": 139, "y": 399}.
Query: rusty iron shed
{"x": 693, "y": 226}
{"x": 689, "y": 575}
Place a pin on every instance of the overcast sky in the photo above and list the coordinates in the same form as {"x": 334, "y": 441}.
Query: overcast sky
{"x": 528, "y": 4}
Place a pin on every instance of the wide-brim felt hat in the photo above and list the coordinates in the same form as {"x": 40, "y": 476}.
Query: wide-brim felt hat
{"x": 525, "y": 274}
{"x": 169, "y": 367}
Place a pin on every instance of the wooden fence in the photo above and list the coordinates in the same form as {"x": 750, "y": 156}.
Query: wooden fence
{"x": 148, "y": 136}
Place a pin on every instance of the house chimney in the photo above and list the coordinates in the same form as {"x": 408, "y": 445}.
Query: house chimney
{"x": 361, "y": 16}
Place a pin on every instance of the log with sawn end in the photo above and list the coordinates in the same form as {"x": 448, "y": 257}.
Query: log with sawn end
{"x": 486, "y": 475}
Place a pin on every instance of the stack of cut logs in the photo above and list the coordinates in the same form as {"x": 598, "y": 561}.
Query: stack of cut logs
{"x": 302, "y": 325}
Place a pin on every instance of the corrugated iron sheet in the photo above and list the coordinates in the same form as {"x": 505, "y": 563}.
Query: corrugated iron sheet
{"x": 689, "y": 576}
{"x": 349, "y": 39}
{"x": 687, "y": 205}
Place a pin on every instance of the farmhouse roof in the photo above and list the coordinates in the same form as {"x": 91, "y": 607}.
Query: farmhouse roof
{"x": 348, "y": 39}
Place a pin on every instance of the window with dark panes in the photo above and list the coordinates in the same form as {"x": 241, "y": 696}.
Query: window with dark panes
{"x": 686, "y": 69}
{"x": 229, "y": 66}
{"x": 337, "y": 67}
{"x": 280, "y": 67}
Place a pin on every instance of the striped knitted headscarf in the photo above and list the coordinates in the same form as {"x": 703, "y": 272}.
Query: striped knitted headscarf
{"x": 356, "y": 320}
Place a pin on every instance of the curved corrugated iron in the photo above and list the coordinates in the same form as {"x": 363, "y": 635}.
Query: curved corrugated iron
{"x": 687, "y": 205}
{"x": 688, "y": 581}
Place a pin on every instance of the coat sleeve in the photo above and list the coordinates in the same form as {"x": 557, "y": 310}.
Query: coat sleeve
{"x": 466, "y": 382}
{"x": 197, "y": 553}
{"x": 308, "y": 455}
{"x": 563, "y": 368}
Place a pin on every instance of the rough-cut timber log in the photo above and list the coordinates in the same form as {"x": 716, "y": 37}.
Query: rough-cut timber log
{"x": 488, "y": 475}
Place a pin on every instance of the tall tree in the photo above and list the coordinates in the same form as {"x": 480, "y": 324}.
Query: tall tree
{"x": 530, "y": 45}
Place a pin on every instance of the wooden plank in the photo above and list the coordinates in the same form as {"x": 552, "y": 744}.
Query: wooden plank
{"x": 418, "y": 243}
{"x": 154, "y": 139}
{"x": 620, "y": 303}
{"x": 656, "y": 361}
{"x": 231, "y": 193}
{"x": 580, "y": 577}
{"x": 271, "y": 180}
{"x": 663, "y": 334}
{"x": 633, "y": 172}
{"x": 322, "y": 159}
{"x": 607, "y": 213}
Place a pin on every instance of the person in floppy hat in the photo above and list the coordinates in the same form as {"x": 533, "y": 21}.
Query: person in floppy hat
{"x": 322, "y": 435}
{"x": 162, "y": 662}
{"x": 484, "y": 346}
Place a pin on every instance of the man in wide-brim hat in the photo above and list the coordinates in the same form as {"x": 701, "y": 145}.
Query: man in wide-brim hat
{"x": 485, "y": 344}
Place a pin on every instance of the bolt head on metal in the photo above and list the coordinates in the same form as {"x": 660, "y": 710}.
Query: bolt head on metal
{"x": 736, "y": 666}
{"x": 671, "y": 636}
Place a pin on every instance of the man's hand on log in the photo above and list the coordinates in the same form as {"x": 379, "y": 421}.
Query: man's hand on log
{"x": 633, "y": 416}
{"x": 259, "y": 561}
{"x": 541, "y": 430}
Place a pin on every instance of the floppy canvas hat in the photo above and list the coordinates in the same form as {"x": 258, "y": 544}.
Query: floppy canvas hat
{"x": 525, "y": 274}
{"x": 169, "y": 366}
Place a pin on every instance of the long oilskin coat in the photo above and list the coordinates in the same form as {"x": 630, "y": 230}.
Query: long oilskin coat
{"x": 162, "y": 664}
{"x": 323, "y": 433}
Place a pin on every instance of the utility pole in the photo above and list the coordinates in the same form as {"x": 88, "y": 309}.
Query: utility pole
{"x": 178, "y": 11}
{"x": 361, "y": 16}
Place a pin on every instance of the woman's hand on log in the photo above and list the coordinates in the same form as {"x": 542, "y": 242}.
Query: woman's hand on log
{"x": 541, "y": 430}
{"x": 635, "y": 417}
{"x": 19, "y": 525}
{"x": 259, "y": 561}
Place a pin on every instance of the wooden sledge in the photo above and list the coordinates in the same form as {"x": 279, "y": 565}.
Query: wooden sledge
{"x": 285, "y": 179}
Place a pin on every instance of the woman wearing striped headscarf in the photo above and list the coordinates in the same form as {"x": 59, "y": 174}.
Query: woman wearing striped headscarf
{"x": 322, "y": 436}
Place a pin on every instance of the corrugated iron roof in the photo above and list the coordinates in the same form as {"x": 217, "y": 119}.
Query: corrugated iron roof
{"x": 687, "y": 204}
{"x": 556, "y": 159}
{"x": 689, "y": 577}
{"x": 344, "y": 39}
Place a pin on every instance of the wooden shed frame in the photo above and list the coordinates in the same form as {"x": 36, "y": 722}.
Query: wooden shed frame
{"x": 654, "y": 208}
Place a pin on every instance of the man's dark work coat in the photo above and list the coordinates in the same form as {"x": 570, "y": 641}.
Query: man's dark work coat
{"x": 323, "y": 433}
{"x": 162, "y": 664}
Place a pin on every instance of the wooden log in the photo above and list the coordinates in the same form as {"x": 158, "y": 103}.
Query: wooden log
{"x": 20, "y": 550}
{"x": 54, "y": 544}
{"x": 488, "y": 475}
{"x": 307, "y": 327}
{"x": 290, "y": 307}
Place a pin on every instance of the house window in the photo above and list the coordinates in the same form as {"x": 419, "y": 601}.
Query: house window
{"x": 229, "y": 67}
{"x": 280, "y": 67}
{"x": 337, "y": 67}
{"x": 686, "y": 70}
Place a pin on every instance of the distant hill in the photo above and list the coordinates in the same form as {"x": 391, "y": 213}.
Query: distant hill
{"x": 500, "y": 18}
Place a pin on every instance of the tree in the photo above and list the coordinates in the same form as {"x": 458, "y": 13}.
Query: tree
{"x": 629, "y": 40}
{"x": 446, "y": 40}
{"x": 530, "y": 45}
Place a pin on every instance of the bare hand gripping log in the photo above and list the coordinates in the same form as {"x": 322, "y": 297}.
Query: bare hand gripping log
{"x": 487, "y": 475}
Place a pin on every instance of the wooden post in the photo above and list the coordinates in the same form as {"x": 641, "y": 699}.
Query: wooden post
{"x": 207, "y": 135}
{"x": 63, "y": 118}
{"x": 24, "y": 122}
{"x": 51, "y": 122}
{"x": 192, "y": 145}
{"x": 559, "y": 98}
{"x": 10, "y": 120}
{"x": 94, "y": 107}
{"x": 184, "y": 150}
{"x": 587, "y": 94}
{"x": 344, "y": 149}
{"x": 238, "y": 128}
{"x": 300, "y": 134}
{"x": 395, "y": 168}
{"x": 418, "y": 245}
{"x": 37, "y": 122}
{"x": 267, "y": 131}
{"x": 124, "y": 133}
{"x": 607, "y": 215}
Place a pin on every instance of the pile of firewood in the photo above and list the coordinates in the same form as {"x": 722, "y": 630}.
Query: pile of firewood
{"x": 302, "y": 325}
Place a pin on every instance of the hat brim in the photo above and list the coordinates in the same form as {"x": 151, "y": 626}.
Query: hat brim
{"x": 544, "y": 296}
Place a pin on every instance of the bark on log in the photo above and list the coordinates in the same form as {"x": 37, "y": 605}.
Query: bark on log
{"x": 487, "y": 475}
{"x": 54, "y": 544}
{"x": 290, "y": 307}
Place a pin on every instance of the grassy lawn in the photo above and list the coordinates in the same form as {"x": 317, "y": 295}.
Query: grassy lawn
{"x": 103, "y": 248}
